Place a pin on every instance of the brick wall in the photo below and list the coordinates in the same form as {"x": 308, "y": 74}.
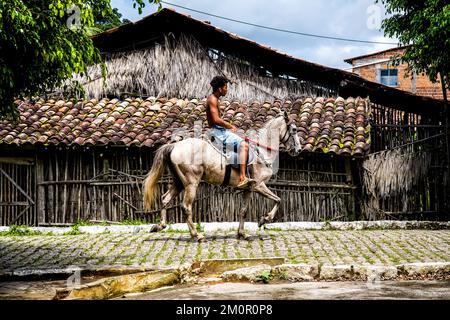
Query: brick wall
{"x": 423, "y": 85}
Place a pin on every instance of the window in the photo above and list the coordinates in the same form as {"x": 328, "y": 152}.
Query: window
{"x": 388, "y": 77}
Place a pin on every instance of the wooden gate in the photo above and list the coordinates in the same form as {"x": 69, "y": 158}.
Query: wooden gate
{"x": 17, "y": 191}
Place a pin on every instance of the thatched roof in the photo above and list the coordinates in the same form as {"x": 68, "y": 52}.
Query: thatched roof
{"x": 330, "y": 125}
{"x": 182, "y": 67}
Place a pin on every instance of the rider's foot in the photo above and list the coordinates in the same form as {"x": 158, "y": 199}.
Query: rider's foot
{"x": 243, "y": 184}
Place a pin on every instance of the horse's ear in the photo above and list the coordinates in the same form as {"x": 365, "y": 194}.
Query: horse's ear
{"x": 287, "y": 118}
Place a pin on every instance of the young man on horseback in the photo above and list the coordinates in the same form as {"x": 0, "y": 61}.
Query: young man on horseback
{"x": 224, "y": 130}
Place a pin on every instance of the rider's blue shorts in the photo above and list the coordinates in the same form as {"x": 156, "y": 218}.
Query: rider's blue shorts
{"x": 228, "y": 138}
{"x": 231, "y": 143}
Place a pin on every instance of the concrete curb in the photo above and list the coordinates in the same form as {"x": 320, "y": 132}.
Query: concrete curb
{"x": 370, "y": 273}
{"x": 291, "y": 272}
{"x": 249, "y": 226}
{"x": 217, "y": 266}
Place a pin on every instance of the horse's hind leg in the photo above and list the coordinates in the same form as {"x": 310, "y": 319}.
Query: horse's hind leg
{"x": 189, "y": 196}
{"x": 166, "y": 199}
{"x": 242, "y": 215}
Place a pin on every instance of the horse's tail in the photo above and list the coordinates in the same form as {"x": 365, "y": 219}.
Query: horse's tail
{"x": 159, "y": 162}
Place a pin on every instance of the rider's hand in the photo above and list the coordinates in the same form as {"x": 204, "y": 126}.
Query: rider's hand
{"x": 233, "y": 128}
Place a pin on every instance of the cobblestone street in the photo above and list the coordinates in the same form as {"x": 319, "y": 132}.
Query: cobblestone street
{"x": 172, "y": 249}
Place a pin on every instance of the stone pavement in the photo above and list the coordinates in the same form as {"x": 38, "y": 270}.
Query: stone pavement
{"x": 173, "y": 249}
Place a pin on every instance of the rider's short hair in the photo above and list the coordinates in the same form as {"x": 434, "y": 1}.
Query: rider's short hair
{"x": 218, "y": 82}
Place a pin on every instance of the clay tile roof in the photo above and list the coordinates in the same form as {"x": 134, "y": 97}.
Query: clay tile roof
{"x": 333, "y": 125}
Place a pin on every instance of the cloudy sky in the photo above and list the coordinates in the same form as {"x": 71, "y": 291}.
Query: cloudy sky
{"x": 350, "y": 19}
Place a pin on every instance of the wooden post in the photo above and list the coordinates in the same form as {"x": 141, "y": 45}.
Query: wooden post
{"x": 349, "y": 180}
{"x": 447, "y": 130}
{"x": 40, "y": 201}
{"x": 348, "y": 171}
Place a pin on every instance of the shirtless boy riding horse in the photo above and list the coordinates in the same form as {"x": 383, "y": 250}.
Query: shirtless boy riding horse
{"x": 225, "y": 131}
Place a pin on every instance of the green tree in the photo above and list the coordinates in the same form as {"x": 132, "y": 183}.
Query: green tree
{"x": 44, "y": 42}
{"x": 110, "y": 20}
{"x": 424, "y": 26}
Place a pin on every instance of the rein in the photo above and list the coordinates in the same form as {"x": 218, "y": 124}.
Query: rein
{"x": 247, "y": 139}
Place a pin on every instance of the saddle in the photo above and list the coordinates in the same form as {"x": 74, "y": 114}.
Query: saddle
{"x": 231, "y": 156}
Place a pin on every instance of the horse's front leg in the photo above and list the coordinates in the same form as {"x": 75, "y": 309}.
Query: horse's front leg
{"x": 263, "y": 190}
{"x": 242, "y": 215}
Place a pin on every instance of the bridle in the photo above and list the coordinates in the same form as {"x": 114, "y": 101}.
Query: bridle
{"x": 284, "y": 136}
{"x": 282, "y": 140}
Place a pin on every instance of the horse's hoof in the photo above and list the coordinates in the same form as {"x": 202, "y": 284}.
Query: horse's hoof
{"x": 157, "y": 228}
{"x": 245, "y": 237}
{"x": 201, "y": 238}
{"x": 262, "y": 222}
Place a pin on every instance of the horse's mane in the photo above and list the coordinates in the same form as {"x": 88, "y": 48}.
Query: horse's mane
{"x": 269, "y": 123}
{"x": 266, "y": 126}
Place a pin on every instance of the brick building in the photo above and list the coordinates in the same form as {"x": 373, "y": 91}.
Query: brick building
{"x": 378, "y": 67}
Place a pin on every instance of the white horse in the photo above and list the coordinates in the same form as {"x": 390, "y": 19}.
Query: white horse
{"x": 194, "y": 160}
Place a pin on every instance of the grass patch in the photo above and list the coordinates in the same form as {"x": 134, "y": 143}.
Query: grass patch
{"x": 74, "y": 231}
{"x": 261, "y": 247}
{"x": 325, "y": 251}
{"x": 198, "y": 253}
{"x": 134, "y": 222}
{"x": 187, "y": 246}
{"x": 249, "y": 248}
{"x": 276, "y": 229}
{"x": 397, "y": 257}
{"x": 156, "y": 258}
{"x": 169, "y": 260}
{"x": 274, "y": 244}
{"x": 200, "y": 228}
{"x": 264, "y": 277}
{"x": 20, "y": 230}
{"x": 237, "y": 251}
{"x": 224, "y": 249}
{"x": 283, "y": 275}
{"x": 299, "y": 245}
{"x": 169, "y": 229}
{"x": 122, "y": 239}
{"x": 212, "y": 247}
{"x": 349, "y": 253}
{"x": 330, "y": 241}
{"x": 290, "y": 255}
{"x": 375, "y": 251}
{"x": 83, "y": 223}
{"x": 150, "y": 250}
{"x": 407, "y": 251}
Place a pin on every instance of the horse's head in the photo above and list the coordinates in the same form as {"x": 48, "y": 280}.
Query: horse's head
{"x": 289, "y": 136}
